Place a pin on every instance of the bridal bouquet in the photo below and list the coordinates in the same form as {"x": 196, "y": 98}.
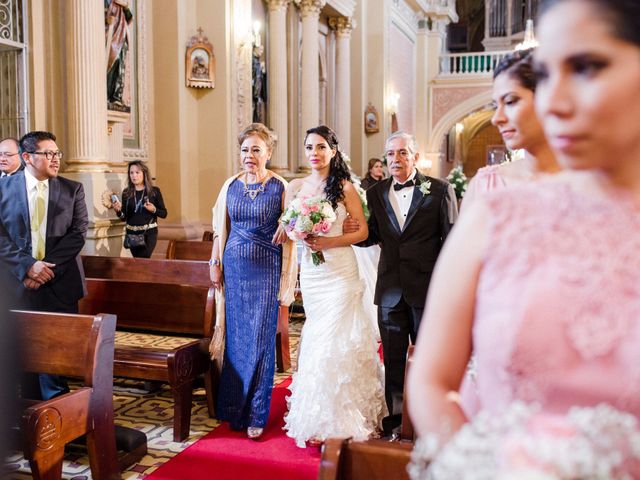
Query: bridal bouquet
{"x": 308, "y": 216}
{"x": 594, "y": 443}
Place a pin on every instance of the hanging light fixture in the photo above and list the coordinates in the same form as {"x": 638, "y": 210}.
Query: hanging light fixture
{"x": 529, "y": 37}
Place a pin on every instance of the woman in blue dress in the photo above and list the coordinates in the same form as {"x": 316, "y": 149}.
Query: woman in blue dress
{"x": 253, "y": 268}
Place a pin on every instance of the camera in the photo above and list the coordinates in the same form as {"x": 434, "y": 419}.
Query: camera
{"x": 114, "y": 198}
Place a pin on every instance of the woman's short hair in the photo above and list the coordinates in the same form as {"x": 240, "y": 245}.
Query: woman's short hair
{"x": 260, "y": 130}
{"x": 519, "y": 66}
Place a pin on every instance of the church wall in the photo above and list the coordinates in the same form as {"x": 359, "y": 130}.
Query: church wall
{"x": 192, "y": 137}
{"x": 403, "y": 68}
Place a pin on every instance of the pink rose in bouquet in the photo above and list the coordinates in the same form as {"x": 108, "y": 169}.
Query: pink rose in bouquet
{"x": 307, "y": 216}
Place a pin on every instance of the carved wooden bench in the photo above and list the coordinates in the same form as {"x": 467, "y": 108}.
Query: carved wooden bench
{"x": 189, "y": 250}
{"x": 79, "y": 346}
{"x": 201, "y": 250}
{"x": 343, "y": 459}
{"x": 170, "y": 309}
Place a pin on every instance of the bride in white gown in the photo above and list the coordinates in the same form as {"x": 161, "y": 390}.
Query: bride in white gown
{"x": 338, "y": 388}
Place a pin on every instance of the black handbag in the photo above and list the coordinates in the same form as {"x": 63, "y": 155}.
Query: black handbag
{"x": 132, "y": 240}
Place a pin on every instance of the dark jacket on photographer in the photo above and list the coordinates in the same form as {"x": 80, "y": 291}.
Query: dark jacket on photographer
{"x": 141, "y": 221}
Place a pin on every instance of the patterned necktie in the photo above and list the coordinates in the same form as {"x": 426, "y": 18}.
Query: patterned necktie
{"x": 38, "y": 217}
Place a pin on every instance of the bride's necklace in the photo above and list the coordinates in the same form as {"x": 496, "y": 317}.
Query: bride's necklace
{"x": 252, "y": 193}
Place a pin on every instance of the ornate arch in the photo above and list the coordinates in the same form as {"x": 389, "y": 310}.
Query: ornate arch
{"x": 454, "y": 115}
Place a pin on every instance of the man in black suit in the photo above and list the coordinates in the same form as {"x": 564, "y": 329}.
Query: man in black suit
{"x": 410, "y": 217}
{"x": 10, "y": 163}
{"x": 43, "y": 224}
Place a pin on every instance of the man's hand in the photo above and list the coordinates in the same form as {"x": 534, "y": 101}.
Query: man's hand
{"x": 41, "y": 272}
{"x": 350, "y": 225}
{"x": 30, "y": 284}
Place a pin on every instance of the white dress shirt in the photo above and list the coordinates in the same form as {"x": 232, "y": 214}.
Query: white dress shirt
{"x": 401, "y": 199}
{"x": 32, "y": 192}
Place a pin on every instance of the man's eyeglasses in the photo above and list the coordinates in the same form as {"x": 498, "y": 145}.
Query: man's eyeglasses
{"x": 49, "y": 155}
{"x": 7, "y": 154}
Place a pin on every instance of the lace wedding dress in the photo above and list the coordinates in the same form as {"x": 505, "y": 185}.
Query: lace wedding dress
{"x": 338, "y": 390}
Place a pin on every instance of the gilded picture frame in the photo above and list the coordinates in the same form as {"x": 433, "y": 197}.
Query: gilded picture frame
{"x": 371, "y": 121}
{"x": 200, "y": 63}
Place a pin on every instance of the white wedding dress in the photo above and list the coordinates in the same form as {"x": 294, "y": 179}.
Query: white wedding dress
{"x": 338, "y": 389}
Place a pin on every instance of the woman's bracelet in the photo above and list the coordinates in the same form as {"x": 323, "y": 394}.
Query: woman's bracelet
{"x": 215, "y": 262}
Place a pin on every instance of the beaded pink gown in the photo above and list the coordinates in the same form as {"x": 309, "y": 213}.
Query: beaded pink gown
{"x": 558, "y": 303}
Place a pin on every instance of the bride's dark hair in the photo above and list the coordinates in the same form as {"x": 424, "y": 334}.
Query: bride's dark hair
{"x": 338, "y": 170}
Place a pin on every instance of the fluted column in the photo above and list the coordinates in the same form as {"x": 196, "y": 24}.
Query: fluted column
{"x": 277, "y": 82}
{"x": 310, "y": 95}
{"x": 86, "y": 85}
{"x": 343, "y": 27}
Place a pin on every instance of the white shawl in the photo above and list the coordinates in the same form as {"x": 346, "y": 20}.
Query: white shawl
{"x": 288, "y": 275}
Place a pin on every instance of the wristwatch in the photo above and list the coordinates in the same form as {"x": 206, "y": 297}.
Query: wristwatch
{"x": 214, "y": 261}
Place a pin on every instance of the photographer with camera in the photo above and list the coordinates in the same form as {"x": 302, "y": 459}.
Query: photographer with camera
{"x": 141, "y": 206}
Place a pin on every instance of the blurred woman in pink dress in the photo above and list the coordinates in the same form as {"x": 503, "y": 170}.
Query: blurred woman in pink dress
{"x": 514, "y": 85}
{"x": 547, "y": 274}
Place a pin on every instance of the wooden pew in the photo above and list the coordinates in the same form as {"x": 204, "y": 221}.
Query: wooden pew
{"x": 189, "y": 250}
{"x": 165, "y": 308}
{"x": 343, "y": 459}
{"x": 79, "y": 346}
{"x": 194, "y": 250}
{"x": 207, "y": 236}
{"x": 180, "y": 272}
{"x": 406, "y": 429}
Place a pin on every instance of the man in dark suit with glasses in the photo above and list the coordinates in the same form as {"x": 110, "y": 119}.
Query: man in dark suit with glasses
{"x": 43, "y": 224}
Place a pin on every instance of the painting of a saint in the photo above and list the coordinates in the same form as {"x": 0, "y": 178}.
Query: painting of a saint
{"x": 118, "y": 18}
{"x": 200, "y": 64}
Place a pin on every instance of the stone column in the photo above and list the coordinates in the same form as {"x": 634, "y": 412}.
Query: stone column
{"x": 86, "y": 147}
{"x": 310, "y": 94}
{"x": 343, "y": 27}
{"x": 277, "y": 82}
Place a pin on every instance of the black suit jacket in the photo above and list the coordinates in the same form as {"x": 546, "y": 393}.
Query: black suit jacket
{"x": 407, "y": 256}
{"x": 67, "y": 224}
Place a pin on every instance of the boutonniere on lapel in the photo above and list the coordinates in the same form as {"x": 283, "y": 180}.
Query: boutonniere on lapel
{"x": 425, "y": 188}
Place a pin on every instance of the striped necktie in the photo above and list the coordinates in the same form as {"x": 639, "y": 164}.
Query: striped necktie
{"x": 39, "y": 210}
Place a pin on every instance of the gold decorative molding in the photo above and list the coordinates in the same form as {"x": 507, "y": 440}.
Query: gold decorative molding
{"x": 343, "y": 26}
{"x": 311, "y": 7}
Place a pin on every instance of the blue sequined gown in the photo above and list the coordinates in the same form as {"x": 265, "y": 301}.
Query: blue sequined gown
{"x": 251, "y": 266}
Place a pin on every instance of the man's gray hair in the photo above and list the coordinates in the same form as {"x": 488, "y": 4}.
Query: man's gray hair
{"x": 412, "y": 143}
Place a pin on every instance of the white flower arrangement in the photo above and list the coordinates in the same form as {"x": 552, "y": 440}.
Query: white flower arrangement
{"x": 588, "y": 443}
{"x": 458, "y": 180}
{"x": 363, "y": 200}
{"x": 425, "y": 188}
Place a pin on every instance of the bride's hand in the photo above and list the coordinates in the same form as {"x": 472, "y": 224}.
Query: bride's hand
{"x": 317, "y": 244}
{"x": 280, "y": 236}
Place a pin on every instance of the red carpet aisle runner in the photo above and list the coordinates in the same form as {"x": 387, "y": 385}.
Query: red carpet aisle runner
{"x": 224, "y": 454}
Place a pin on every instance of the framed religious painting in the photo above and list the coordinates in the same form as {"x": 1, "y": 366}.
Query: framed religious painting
{"x": 200, "y": 63}
{"x": 371, "y": 124}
